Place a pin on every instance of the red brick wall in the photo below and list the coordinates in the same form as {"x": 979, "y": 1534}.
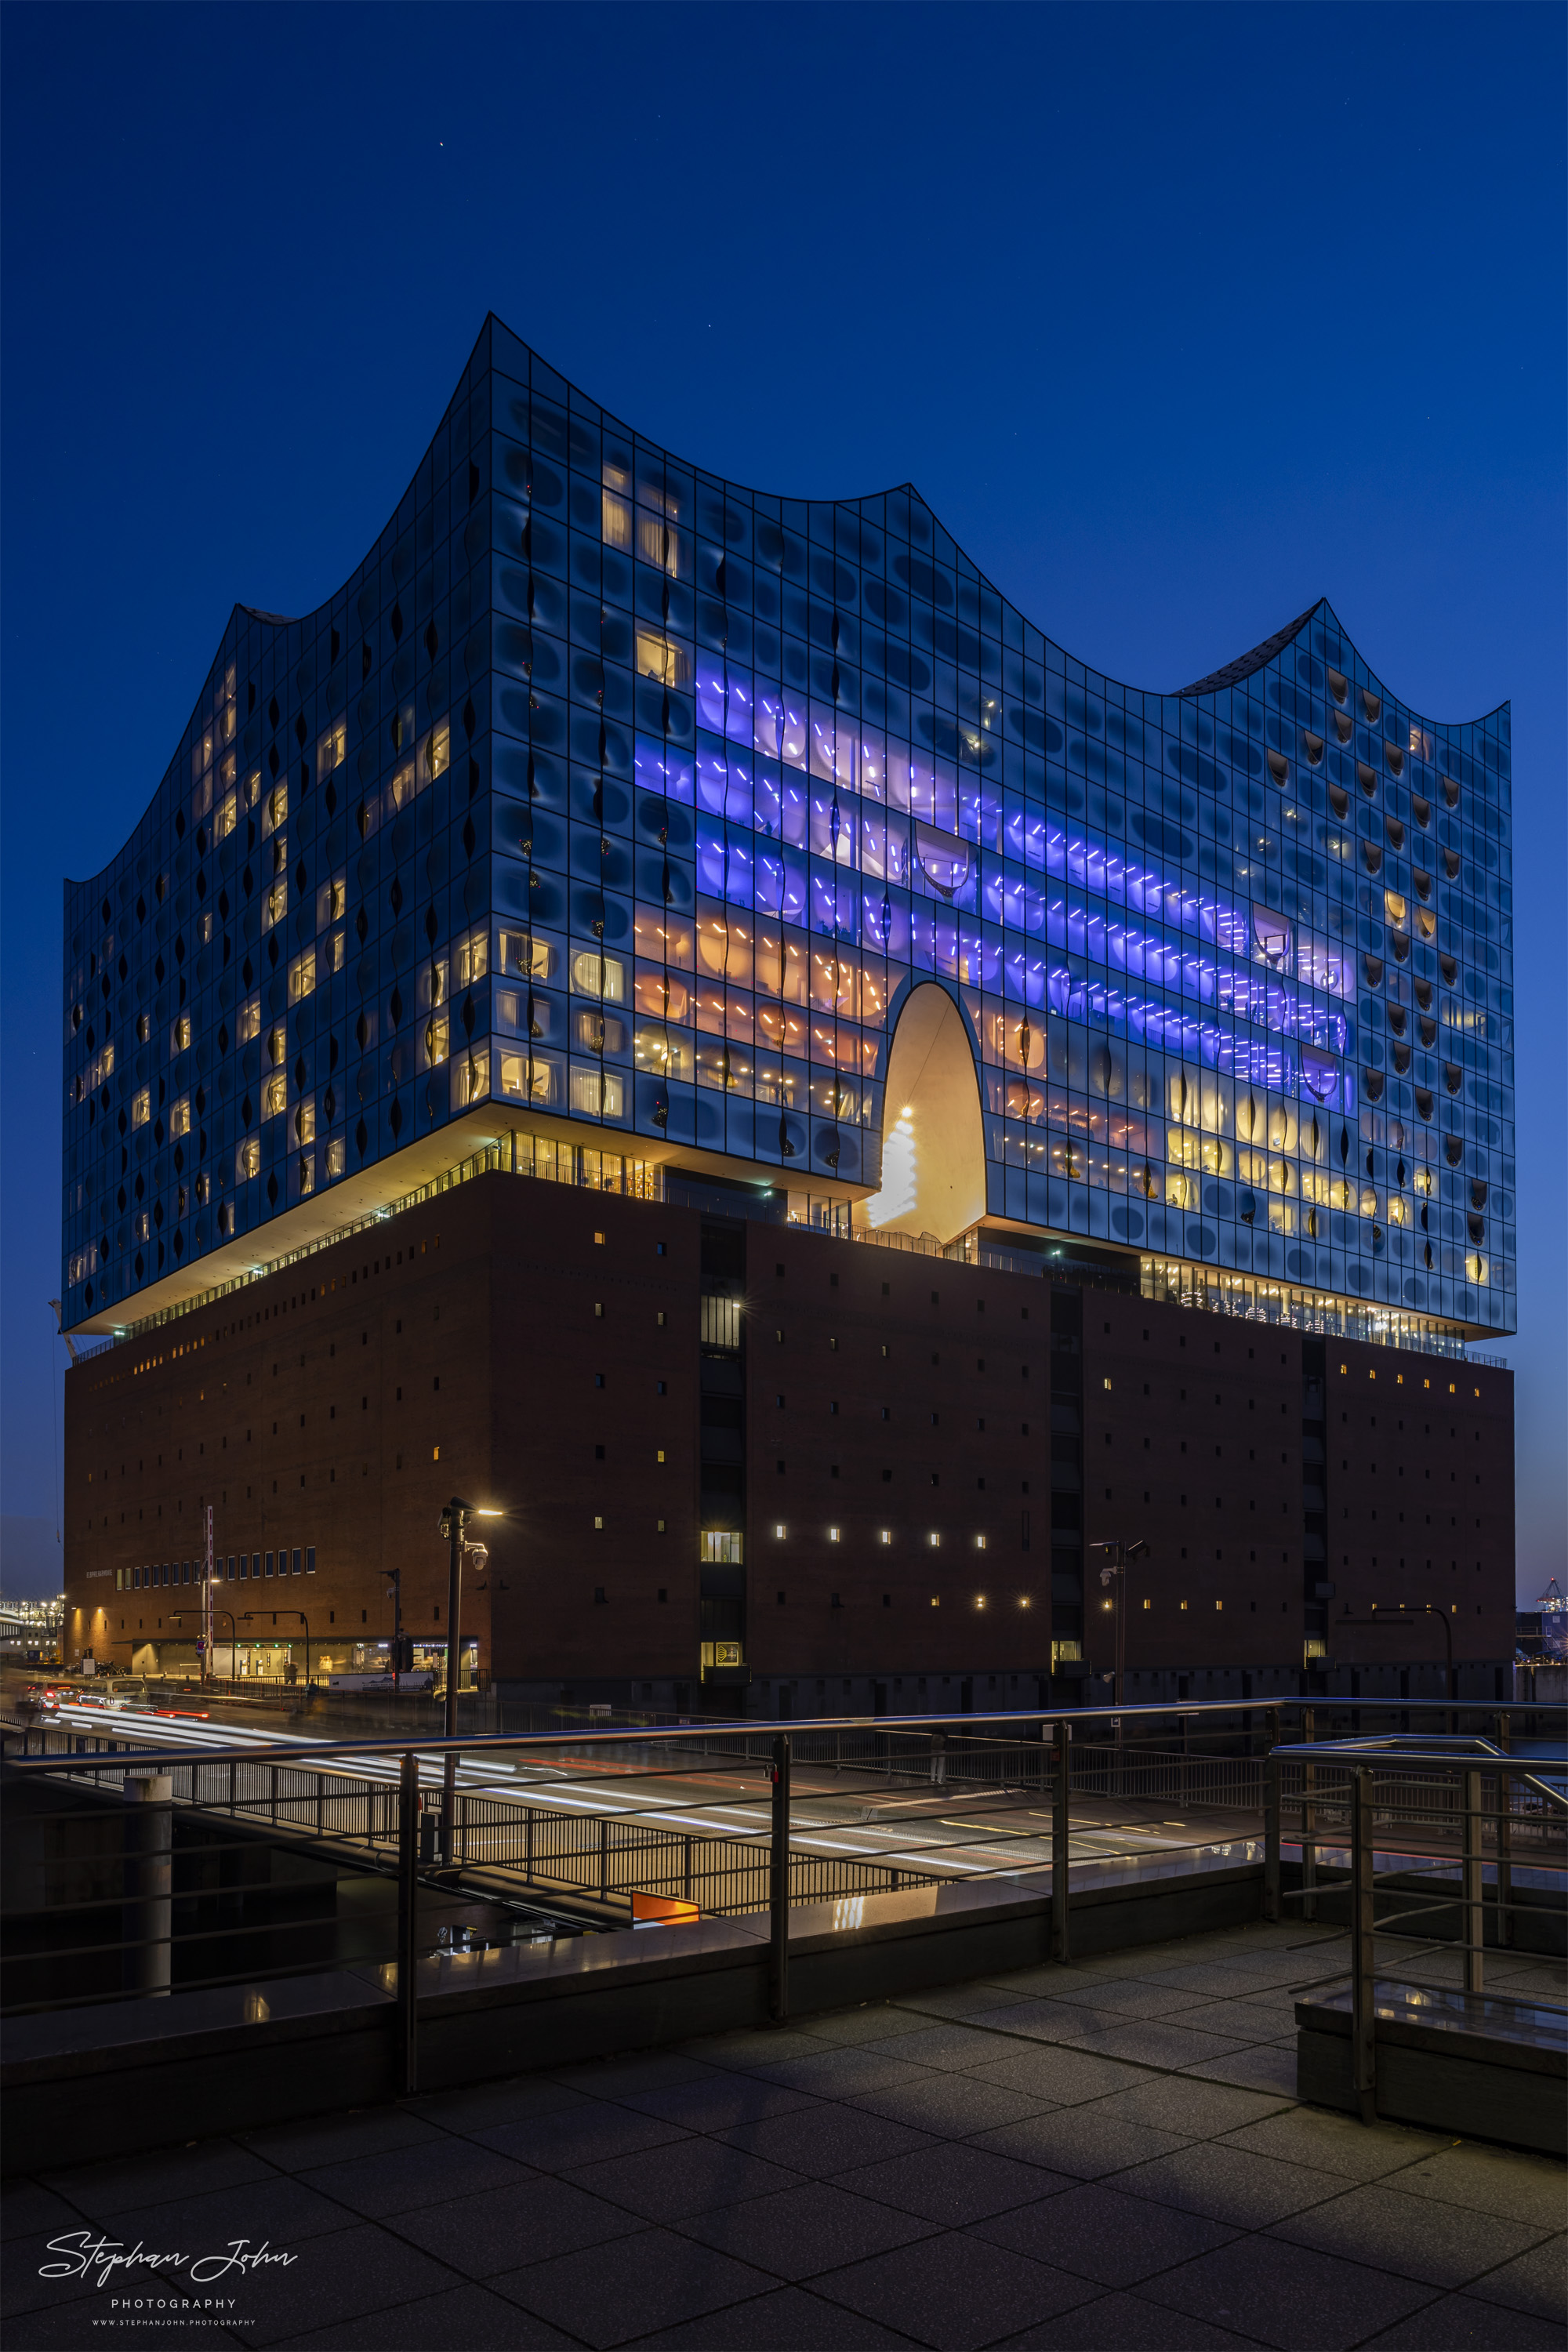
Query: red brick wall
{"x": 1420, "y": 1487}
{"x": 308, "y": 1409}
{"x": 942, "y": 1347}
{"x": 1193, "y": 1441}
{"x": 468, "y": 1325}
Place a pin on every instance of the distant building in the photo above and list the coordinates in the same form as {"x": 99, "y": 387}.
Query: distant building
{"x": 755, "y": 863}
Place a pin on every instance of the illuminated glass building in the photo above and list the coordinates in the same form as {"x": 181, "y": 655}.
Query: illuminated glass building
{"x": 638, "y": 829}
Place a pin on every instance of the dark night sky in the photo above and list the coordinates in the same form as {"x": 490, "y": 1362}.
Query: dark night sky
{"x": 1179, "y": 318}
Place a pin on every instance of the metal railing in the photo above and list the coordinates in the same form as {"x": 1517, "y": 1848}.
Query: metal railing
{"x": 1448, "y": 1831}
{"x": 880, "y": 1805}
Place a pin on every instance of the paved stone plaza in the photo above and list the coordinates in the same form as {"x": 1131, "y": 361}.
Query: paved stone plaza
{"x": 1105, "y": 2158}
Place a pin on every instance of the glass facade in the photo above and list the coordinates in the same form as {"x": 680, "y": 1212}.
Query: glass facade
{"x": 610, "y": 796}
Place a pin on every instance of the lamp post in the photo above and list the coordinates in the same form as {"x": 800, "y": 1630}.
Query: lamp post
{"x": 246, "y": 1614}
{"x": 1121, "y": 1556}
{"x": 454, "y": 1518}
{"x": 394, "y": 1594}
{"x": 207, "y": 1614}
{"x": 1427, "y": 1609}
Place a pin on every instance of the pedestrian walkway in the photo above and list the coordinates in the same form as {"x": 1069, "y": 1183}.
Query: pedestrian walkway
{"x": 1100, "y": 2157}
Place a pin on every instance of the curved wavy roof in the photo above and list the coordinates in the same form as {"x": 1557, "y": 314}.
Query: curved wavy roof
{"x": 512, "y": 353}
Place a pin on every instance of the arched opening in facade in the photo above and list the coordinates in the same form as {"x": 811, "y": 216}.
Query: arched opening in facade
{"x": 934, "y": 1145}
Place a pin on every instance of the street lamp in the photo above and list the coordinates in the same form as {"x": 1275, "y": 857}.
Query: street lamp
{"x": 454, "y": 1518}
{"x": 246, "y": 1614}
{"x": 1424, "y": 1609}
{"x": 1122, "y": 1555}
{"x": 175, "y": 1615}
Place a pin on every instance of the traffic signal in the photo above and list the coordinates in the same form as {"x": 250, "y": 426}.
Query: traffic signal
{"x": 403, "y": 1654}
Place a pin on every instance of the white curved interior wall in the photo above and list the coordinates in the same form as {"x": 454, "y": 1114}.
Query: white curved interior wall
{"x": 934, "y": 1149}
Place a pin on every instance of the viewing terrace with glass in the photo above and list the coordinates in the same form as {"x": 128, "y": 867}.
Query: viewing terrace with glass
{"x": 618, "y": 809}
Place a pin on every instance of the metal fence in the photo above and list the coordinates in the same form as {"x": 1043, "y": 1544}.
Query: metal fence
{"x": 155, "y": 1869}
{"x": 1425, "y": 1843}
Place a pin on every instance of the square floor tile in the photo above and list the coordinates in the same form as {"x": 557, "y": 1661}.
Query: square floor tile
{"x": 112, "y": 2187}
{"x": 335, "y": 2139}
{"x": 583, "y": 2134}
{"x": 1263, "y": 2068}
{"x": 1287, "y": 2296}
{"x": 1124, "y": 2323}
{"x": 719, "y": 2101}
{"x": 1130, "y": 1997}
{"x": 619, "y": 2078}
{"x": 692, "y": 2176}
{"x": 1085, "y": 2142}
{"x": 1097, "y": 2232}
{"x": 1051, "y": 1980}
{"x": 955, "y": 2000}
{"x": 955, "y": 2106}
{"x": 951, "y": 2183}
{"x": 1065, "y": 2077}
{"x": 1246, "y": 2021}
{"x": 949, "y": 2049}
{"x": 1459, "y": 2322}
{"x": 1228, "y": 2184}
{"x": 840, "y": 2074}
{"x": 403, "y": 2178}
{"x": 1536, "y": 2282}
{"x": 1149, "y": 2042}
{"x": 632, "y": 2287}
{"x": 464, "y": 2319}
{"x": 878, "y": 2022}
{"x": 1491, "y": 2181}
{"x": 529, "y": 2222}
{"x": 1192, "y": 2109}
{"x": 335, "y": 2279}
{"x": 1041, "y": 2021}
{"x": 1341, "y": 2145}
{"x": 1445, "y": 2245}
{"x": 791, "y": 2319}
{"x": 28, "y": 2209}
{"x": 954, "y": 2292}
{"x": 819, "y": 2227}
{"x": 481, "y": 2106}
{"x": 741, "y": 2053}
{"x": 822, "y": 2140}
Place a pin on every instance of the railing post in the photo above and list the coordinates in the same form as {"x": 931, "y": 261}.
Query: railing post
{"x": 686, "y": 1870}
{"x": 528, "y": 1841}
{"x": 320, "y": 1786}
{"x": 1475, "y": 1918}
{"x": 148, "y": 1872}
{"x": 603, "y": 1856}
{"x": 407, "y": 2070}
{"x": 233, "y": 1786}
{"x": 1504, "y": 1844}
{"x": 1309, "y": 1825}
{"x": 1061, "y": 1839}
{"x": 450, "y": 1807}
{"x": 778, "y": 1885}
{"x": 275, "y": 1796}
{"x": 1363, "y": 1983}
{"x": 1271, "y": 1835}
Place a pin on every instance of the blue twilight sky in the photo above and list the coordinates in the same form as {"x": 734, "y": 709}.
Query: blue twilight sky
{"x": 1179, "y": 317}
